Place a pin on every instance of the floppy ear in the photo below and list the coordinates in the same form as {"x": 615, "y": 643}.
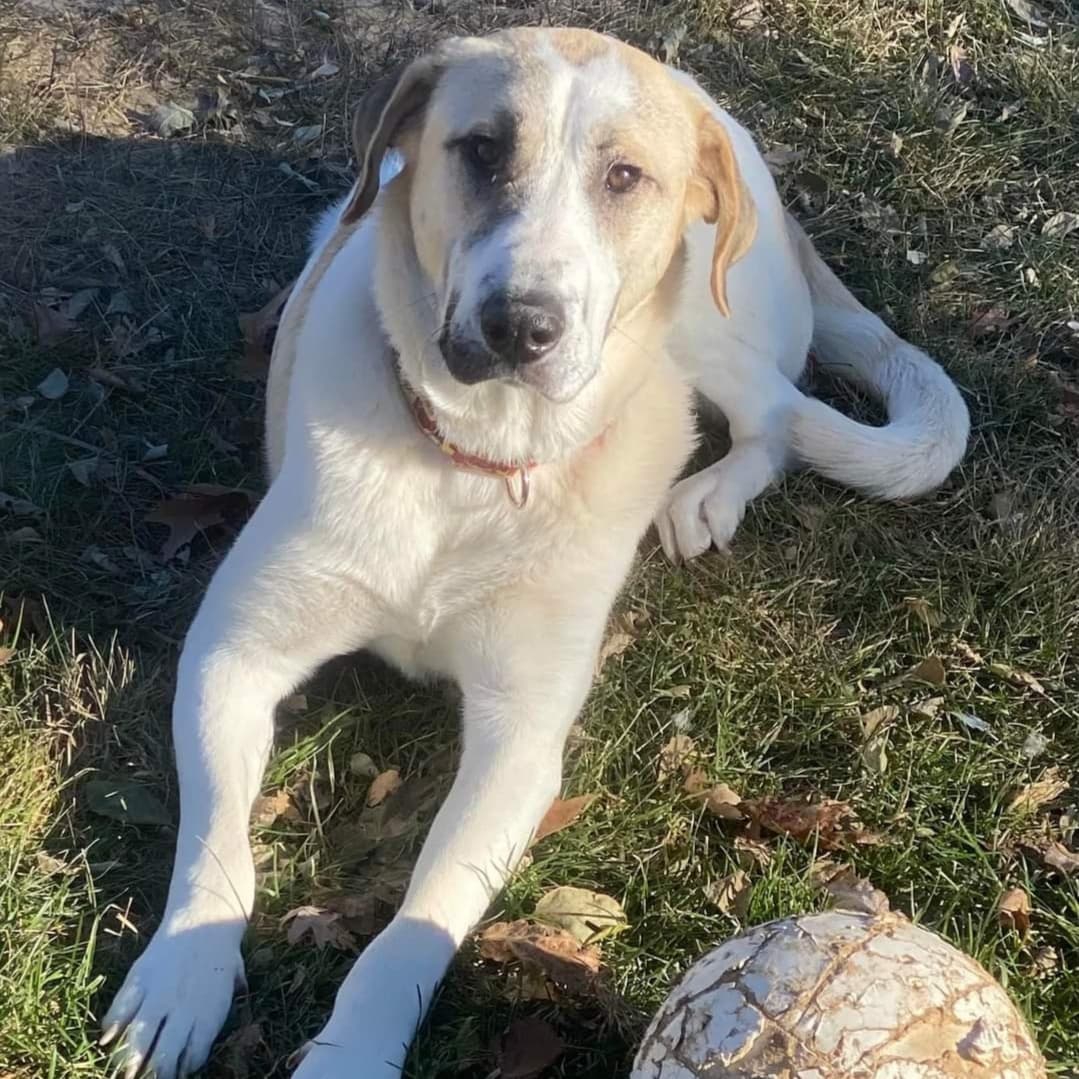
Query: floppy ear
{"x": 393, "y": 101}
{"x": 719, "y": 195}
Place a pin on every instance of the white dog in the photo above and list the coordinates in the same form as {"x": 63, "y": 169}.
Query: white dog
{"x": 481, "y": 395}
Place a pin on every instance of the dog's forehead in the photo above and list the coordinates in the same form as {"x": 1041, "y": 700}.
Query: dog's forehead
{"x": 574, "y": 80}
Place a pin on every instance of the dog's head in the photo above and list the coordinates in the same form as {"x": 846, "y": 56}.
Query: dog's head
{"x": 551, "y": 176}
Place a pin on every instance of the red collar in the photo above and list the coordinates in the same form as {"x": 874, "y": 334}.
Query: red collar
{"x": 469, "y": 462}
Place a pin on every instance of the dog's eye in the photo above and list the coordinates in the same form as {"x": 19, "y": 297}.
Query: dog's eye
{"x": 484, "y": 152}
{"x": 622, "y": 178}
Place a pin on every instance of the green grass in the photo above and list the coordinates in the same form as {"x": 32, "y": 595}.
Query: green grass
{"x": 766, "y": 658}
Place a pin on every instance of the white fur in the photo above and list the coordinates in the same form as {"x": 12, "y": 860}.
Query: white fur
{"x": 368, "y": 537}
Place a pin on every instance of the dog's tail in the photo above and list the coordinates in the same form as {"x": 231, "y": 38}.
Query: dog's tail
{"x": 928, "y": 424}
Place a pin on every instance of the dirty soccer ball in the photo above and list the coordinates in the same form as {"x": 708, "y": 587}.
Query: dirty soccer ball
{"x": 835, "y": 995}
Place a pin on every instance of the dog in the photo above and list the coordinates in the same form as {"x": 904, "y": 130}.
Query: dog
{"x": 481, "y": 394}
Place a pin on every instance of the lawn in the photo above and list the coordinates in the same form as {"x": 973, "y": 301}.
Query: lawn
{"x": 931, "y": 150}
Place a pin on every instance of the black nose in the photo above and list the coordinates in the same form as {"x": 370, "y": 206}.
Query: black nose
{"x": 520, "y": 329}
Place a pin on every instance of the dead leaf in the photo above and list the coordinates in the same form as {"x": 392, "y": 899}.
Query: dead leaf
{"x": 1043, "y": 962}
{"x": 962, "y": 68}
{"x": 554, "y": 953}
{"x": 20, "y": 507}
{"x": 268, "y": 807}
{"x": 998, "y": 238}
{"x": 382, "y": 786}
{"x": 780, "y": 157}
{"x": 973, "y": 722}
{"x": 363, "y": 765}
{"x": 731, "y": 894}
{"x": 589, "y": 916}
{"x": 325, "y": 70}
{"x": 306, "y": 133}
{"x": 751, "y": 852}
{"x": 880, "y": 217}
{"x": 1013, "y": 911}
{"x": 719, "y": 799}
{"x": 1034, "y": 745}
{"x": 201, "y": 507}
{"x": 877, "y": 718}
{"x": 324, "y": 927}
{"x": 924, "y": 610}
{"x": 5, "y": 654}
{"x": 168, "y": 119}
{"x": 237, "y": 1048}
{"x": 51, "y": 326}
{"x": 950, "y": 116}
{"x": 259, "y": 329}
{"x": 1061, "y": 224}
{"x": 563, "y": 812}
{"x": 1029, "y": 13}
{"x": 874, "y": 754}
{"x": 1058, "y": 857}
{"x": 830, "y": 823}
{"x": 1016, "y": 676}
{"x": 930, "y": 670}
{"x": 54, "y": 385}
{"x": 846, "y": 889}
{"x": 927, "y": 708}
{"x": 127, "y": 383}
{"x": 678, "y": 751}
{"x": 916, "y": 257}
{"x": 1049, "y": 786}
{"x": 528, "y": 1046}
{"x": 989, "y": 321}
{"x": 26, "y": 534}
{"x": 624, "y": 630}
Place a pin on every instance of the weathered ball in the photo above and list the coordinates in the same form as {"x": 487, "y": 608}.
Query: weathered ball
{"x": 836, "y": 995}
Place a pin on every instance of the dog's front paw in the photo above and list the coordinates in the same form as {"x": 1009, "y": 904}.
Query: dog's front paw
{"x": 338, "y": 1053}
{"x": 174, "y": 1001}
{"x": 701, "y": 510}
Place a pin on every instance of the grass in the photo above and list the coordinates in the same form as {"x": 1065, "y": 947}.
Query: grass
{"x": 766, "y": 659}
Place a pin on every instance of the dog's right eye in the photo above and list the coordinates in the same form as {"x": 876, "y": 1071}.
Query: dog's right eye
{"x": 483, "y": 152}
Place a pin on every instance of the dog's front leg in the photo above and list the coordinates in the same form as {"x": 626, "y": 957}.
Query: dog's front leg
{"x": 272, "y": 614}
{"x": 525, "y": 673}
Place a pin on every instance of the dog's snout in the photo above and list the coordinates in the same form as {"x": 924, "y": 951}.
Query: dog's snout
{"x": 521, "y": 329}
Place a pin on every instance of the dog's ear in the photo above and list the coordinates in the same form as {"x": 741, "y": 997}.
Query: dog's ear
{"x": 382, "y": 114}
{"x": 719, "y": 195}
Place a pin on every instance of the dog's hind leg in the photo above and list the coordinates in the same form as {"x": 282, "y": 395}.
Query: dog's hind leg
{"x": 525, "y": 670}
{"x": 271, "y": 616}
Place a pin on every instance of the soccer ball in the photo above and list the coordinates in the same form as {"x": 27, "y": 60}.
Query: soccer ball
{"x": 836, "y": 995}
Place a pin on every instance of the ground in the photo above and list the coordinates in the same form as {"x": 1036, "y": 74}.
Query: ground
{"x": 930, "y": 149}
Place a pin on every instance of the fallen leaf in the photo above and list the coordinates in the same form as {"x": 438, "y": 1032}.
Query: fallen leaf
{"x": 880, "y": 217}
{"x": 962, "y": 69}
{"x": 874, "y": 754}
{"x": 86, "y": 470}
{"x": 990, "y": 321}
{"x": 1029, "y": 13}
{"x": 1016, "y": 676}
{"x": 930, "y": 670}
{"x": 747, "y": 16}
{"x": 5, "y": 654}
{"x": 168, "y": 119}
{"x": 718, "y": 799}
{"x": 1043, "y": 962}
{"x": 998, "y": 238}
{"x": 363, "y": 765}
{"x": 528, "y": 1046}
{"x": 1061, "y": 224}
{"x": 127, "y": 383}
{"x": 945, "y": 273}
{"x": 382, "y": 786}
{"x": 554, "y": 953}
{"x": 201, "y": 507}
{"x": 1058, "y": 857}
{"x": 259, "y": 329}
{"x": 973, "y": 722}
{"x": 563, "y": 812}
{"x": 678, "y": 751}
{"x": 112, "y": 253}
{"x": 671, "y": 43}
{"x": 846, "y": 889}
{"x": 324, "y": 927}
{"x": 731, "y": 894}
{"x": 324, "y": 70}
{"x": 54, "y": 385}
{"x": 873, "y": 720}
{"x": 51, "y": 326}
{"x": 916, "y": 257}
{"x": 125, "y": 801}
{"x": 950, "y": 116}
{"x": 589, "y": 916}
{"x": 928, "y": 708}
{"x": 119, "y": 304}
{"x": 97, "y": 557}
{"x": 20, "y": 507}
{"x": 830, "y": 823}
{"x": 780, "y": 157}
{"x": 1034, "y": 745}
{"x": 268, "y": 807}
{"x": 155, "y": 452}
{"x": 1049, "y": 786}
{"x": 26, "y": 534}
{"x": 1013, "y": 911}
{"x": 306, "y": 133}
{"x": 751, "y": 852}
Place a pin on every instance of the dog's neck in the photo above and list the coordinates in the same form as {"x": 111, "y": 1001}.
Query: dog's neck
{"x": 495, "y": 420}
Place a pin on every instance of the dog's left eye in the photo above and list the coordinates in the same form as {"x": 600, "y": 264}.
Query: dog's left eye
{"x": 484, "y": 152}
{"x": 622, "y": 178}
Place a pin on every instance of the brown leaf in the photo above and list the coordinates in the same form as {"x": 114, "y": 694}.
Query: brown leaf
{"x": 548, "y": 950}
{"x": 50, "y": 325}
{"x": 1043, "y": 962}
{"x": 1057, "y": 856}
{"x": 528, "y": 1046}
{"x": 625, "y": 629}
{"x": 563, "y": 812}
{"x": 268, "y": 807}
{"x": 1049, "y": 786}
{"x": 259, "y": 329}
{"x": 1016, "y": 676}
{"x": 989, "y": 321}
{"x": 589, "y": 916}
{"x": 930, "y": 670}
{"x": 846, "y": 889}
{"x": 201, "y": 507}
{"x": 324, "y": 927}
{"x": 731, "y": 894}
{"x": 675, "y": 754}
{"x": 830, "y": 823}
{"x": 382, "y": 786}
{"x": 5, "y": 654}
{"x": 719, "y": 800}
{"x": 750, "y": 852}
{"x": 237, "y": 1048}
{"x": 1013, "y": 911}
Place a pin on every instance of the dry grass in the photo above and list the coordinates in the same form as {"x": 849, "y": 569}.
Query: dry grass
{"x": 767, "y": 659}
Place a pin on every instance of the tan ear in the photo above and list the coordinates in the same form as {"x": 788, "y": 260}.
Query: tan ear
{"x": 382, "y": 114}
{"x": 719, "y": 195}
